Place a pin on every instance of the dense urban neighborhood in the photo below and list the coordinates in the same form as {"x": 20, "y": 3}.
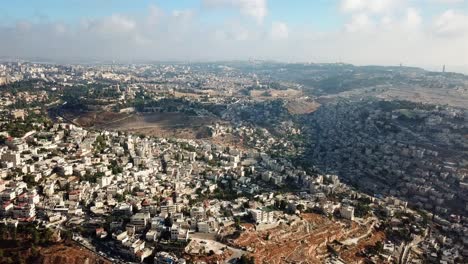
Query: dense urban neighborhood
{"x": 255, "y": 162}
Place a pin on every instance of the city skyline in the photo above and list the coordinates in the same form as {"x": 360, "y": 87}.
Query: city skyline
{"x": 428, "y": 33}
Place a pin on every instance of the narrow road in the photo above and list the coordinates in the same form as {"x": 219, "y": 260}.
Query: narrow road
{"x": 354, "y": 241}
{"x": 237, "y": 253}
{"x": 405, "y": 254}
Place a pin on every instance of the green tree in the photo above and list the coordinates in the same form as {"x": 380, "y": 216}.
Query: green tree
{"x": 247, "y": 260}
{"x": 300, "y": 207}
{"x": 379, "y": 247}
{"x": 36, "y": 237}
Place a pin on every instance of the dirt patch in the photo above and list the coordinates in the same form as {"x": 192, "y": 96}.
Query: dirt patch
{"x": 162, "y": 125}
{"x": 187, "y": 95}
{"x": 90, "y": 119}
{"x": 275, "y": 94}
{"x": 304, "y": 240}
{"x": 350, "y": 253}
{"x": 302, "y": 106}
{"x": 58, "y": 253}
{"x": 286, "y": 93}
{"x": 229, "y": 140}
{"x": 68, "y": 253}
{"x": 207, "y": 258}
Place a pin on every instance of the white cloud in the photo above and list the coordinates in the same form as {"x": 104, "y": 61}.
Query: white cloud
{"x": 119, "y": 23}
{"x": 360, "y": 22}
{"x": 256, "y": 9}
{"x": 452, "y": 23}
{"x": 182, "y": 14}
{"x": 368, "y": 38}
{"x": 367, "y": 16}
{"x": 413, "y": 19}
{"x": 449, "y": 1}
{"x": 370, "y": 6}
{"x": 387, "y": 22}
{"x": 180, "y": 23}
{"x": 279, "y": 30}
{"x": 233, "y": 31}
{"x": 115, "y": 24}
{"x": 155, "y": 15}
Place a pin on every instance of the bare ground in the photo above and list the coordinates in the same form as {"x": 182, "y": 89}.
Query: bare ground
{"x": 304, "y": 241}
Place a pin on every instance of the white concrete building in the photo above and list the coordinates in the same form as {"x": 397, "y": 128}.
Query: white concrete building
{"x": 140, "y": 220}
{"x": 347, "y": 212}
{"x": 13, "y": 157}
{"x": 262, "y": 216}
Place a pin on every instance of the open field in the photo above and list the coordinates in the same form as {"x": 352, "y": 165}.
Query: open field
{"x": 90, "y": 119}
{"x": 451, "y": 97}
{"x": 178, "y": 125}
{"x": 302, "y": 106}
{"x": 275, "y": 94}
{"x": 438, "y": 96}
{"x": 161, "y": 124}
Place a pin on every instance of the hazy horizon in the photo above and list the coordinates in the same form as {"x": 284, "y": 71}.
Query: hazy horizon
{"x": 90, "y": 61}
{"x": 426, "y": 34}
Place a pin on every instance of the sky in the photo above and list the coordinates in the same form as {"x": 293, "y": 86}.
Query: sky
{"x": 426, "y": 33}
